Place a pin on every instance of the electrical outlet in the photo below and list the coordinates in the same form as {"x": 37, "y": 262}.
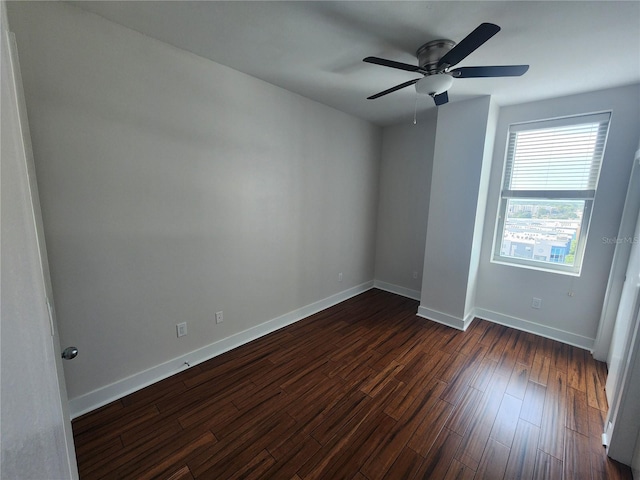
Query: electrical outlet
{"x": 536, "y": 302}
{"x": 340, "y": 277}
{"x": 219, "y": 317}
{"x": 415, "y": 274}
{"x": 181, "y": 329}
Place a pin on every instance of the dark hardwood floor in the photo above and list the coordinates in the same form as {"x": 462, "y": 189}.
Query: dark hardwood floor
{"x": 364, "y": 390}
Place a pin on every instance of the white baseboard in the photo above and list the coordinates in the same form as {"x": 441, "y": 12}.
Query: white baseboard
{"x": 390, "y": 287}
{"x": 107, "y": 394}
{"x": 445, "y": 318}
{"x": 508, "y": 321}
{"x": 531, "y": 327}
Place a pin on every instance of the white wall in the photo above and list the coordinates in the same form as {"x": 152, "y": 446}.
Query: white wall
{"x": 481, "y": 206}
{"x": 504, "y": 293}
{"x": 405, "y": 182}
{"x": 173, "y": 187}
{"x": 457, "y": 178}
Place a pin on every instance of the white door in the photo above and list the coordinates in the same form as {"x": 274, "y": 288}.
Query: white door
{"x": 618, "y": 350}
{"x": 622, "y": 389}
{"x": 36, "y": 437}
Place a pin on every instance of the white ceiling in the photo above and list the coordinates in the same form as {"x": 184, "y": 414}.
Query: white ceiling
{"x": 316, "y": 48}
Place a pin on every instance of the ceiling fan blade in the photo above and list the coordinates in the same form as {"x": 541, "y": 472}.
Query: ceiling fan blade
{"x": 441, "y": 99}
{"x": 468, "y": 44}
{"x": 493, "y": 71}
{"x": 393, "y": 89}
{"x": 392, "y": 64}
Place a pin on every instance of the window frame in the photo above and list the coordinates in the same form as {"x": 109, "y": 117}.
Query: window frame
{"x": 603, "y": 118}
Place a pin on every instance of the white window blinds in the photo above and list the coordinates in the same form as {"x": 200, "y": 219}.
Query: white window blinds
{"x": 560, "y": 160}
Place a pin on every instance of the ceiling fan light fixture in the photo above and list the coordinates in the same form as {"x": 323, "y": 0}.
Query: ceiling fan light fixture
{"x": 434, "y": 84}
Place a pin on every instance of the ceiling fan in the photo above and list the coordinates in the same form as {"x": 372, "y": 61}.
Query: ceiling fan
{"x": 436, "y": 58}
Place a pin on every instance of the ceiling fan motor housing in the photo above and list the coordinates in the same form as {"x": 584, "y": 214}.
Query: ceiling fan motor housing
{"x": 431, "y": 52}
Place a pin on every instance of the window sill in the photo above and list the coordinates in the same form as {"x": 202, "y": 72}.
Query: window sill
{"x": 539, "y": 268}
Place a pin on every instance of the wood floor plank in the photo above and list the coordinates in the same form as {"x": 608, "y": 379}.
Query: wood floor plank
{"x": 255, "y": 468}
{"x": 182, "y": 473}
{"x": 369, "y": 437}
{"x": 540, "y": 370}
{"x": 577, "y": 411}
{"x": 597, "y": 419}
{"x": 484, "y": 373}
{"x": 241, "y": 444}
{"x": 429, "y": 410}
{"x": 348, "y": 435}
{"x": 101, "y": 415}
{"x": 504, "y": 426}
{"x": 545, "y": 347}
{"x": 315, "y": 401}
{"x": 533, "y": 403}
{"x": 491, "y": 334}
{"x": 420, "y": 385}
{"x": 494, "y": 461}
{"x": 528, "y": 349}
{"x": 363, "y": 390}
{"x": 576, "y": 451}
{"x": 595, "y": 382}
{"x": 428, "y": 430}
{"x": 576, "y": 374}
{"x": 167, "y": 457}
{"x": 522, "y": 457}
{"x": 406, "y": 465}
{"x": 463, "y": 415}
{"x": 436, "y": 463}
{"x": 560, "y": 356}
{"x": 458, "y": 384}
{"x": 377, "y": 383}
{"x": 547, "y": 467}
{"x": 119, "y": 425}
{"x": 468, "y": 343}
{"x": 604, "y": 468}
{"x": 478, "y": 326}
{"x": 340, "y": 415}
{"x": 290, "y": 463}
{"x": 423, "y": 367}
{"x": 554, "y": 415}
{"x": 496, "y": 340}
{"x": 94, "y": 461}
{"x": 475, "y": 440}
{"x": 451, "y": 369}
{"x": 518, "y": 381}
{"x": 459, "y": 471}
{"x": 144, "y": 446}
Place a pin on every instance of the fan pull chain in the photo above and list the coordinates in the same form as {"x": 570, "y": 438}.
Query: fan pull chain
{"x": 415, "y": 110}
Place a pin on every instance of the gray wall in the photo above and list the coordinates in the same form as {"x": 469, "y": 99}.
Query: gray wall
{"x": 173, "y": 187}
{"x": 405, "y": 183}
{"x": 504, "y": 293}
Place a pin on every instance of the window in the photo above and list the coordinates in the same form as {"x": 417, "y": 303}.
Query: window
{"x": 548, "y": 188}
